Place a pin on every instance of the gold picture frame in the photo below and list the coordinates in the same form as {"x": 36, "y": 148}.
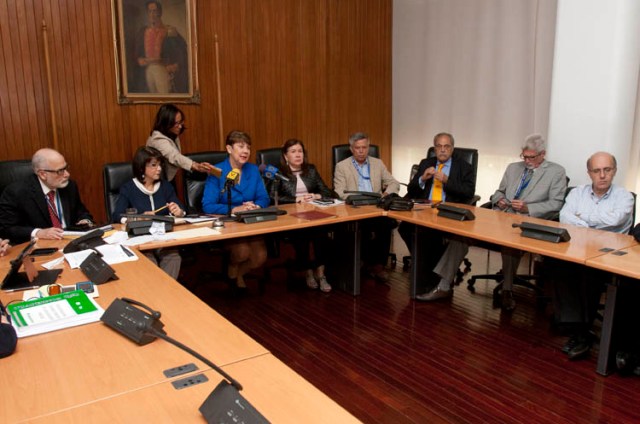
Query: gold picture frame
{"x": 155, "y": 49}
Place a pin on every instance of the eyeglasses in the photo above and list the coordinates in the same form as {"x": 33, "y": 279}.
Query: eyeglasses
{"x": 529, "y": 157}
{"x": 443, "y": 146}
{"x": 59, "y": 172}
{"x": 598, "y": 171}
{"x": 179, "y": 123}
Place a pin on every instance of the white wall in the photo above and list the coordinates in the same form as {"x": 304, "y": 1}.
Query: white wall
{"x": 480, "y": 69}
{"x": 595, "y": 83}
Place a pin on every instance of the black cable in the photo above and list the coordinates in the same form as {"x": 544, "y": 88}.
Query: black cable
{"x": 152, "y": 331}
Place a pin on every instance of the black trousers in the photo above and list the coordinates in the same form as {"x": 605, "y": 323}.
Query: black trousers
{"x": 576, "y": 292}
{"x": 303, "y": 240}
{"x": 376, "y": 239}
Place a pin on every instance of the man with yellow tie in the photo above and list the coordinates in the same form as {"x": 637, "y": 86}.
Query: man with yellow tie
{"x": 441, "y": 178}
{"x": 533, "y": 187}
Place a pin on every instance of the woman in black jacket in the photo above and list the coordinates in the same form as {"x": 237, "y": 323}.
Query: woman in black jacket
{"x": 305, "y": 184}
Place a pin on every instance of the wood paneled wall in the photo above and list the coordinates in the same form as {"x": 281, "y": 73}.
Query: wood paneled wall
{"x": 316, "y": 70}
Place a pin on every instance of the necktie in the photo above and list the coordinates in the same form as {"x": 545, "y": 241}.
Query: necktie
{"x": 436, "y": 193}
{"x": 52, "y": 212}
{"x": 524, "y": 182}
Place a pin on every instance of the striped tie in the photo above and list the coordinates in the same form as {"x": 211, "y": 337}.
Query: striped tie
{"x": 52, "y": 212}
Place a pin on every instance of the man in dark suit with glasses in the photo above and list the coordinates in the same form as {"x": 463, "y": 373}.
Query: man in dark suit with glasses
{"x": 44, "y": 204}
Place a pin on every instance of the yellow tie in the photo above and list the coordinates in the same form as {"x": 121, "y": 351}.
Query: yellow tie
{"x": 436, "y": 194}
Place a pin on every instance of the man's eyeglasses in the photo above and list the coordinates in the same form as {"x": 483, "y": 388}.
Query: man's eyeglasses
{"x": 529, "y": 157}
{"x": 59, "y": 172}
{"x": 598, "y": 171}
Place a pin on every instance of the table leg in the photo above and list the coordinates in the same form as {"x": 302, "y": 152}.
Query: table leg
{"x": 347, "y": 257}
{"x": 419, "y": 271}
{"x": 605, "y": 353}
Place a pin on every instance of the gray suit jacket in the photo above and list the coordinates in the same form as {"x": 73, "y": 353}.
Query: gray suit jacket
{"x": 346, "y": 177}
{"x": 545, "y": 193}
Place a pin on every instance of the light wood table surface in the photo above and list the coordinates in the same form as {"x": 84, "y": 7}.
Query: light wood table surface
{"x": 277, "y": 392}
{"x": 58, "y": 370}
{"x": 288, "y": 222}
{"x": 496, "y": 227}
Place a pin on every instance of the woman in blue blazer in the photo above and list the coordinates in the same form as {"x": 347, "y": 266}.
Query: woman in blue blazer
{"x": 247, "y": 193}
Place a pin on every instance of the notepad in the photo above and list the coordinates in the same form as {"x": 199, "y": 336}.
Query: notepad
{"x": 53, "y": 313}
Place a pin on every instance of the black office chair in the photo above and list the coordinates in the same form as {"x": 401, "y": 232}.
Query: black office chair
{"x": 269, "y": 156}
{"x": 471, "y": 157}
{"x": 14, "y": 170}
{"x": 523, "y": 280}
{"x": 114, "y": 175}
{"x": 193, "y": 181}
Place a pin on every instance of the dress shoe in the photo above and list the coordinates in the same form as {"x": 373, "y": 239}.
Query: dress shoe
{"x": 378, "y": 273}
{"x": 581, "y": 349}
{"x": 381, "y": 277}
{"x": 508, "y": 302}
{"x": 435, "y": 294}
{"x": 571, "y": 343}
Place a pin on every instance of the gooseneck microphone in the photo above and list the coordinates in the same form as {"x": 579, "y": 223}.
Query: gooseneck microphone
{"x": 233, "y": 176}
{"x": 271, "y": 172}
{"x": 230, "y": 180}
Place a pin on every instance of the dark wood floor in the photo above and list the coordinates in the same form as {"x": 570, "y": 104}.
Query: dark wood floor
{"x": 388, "y": 359}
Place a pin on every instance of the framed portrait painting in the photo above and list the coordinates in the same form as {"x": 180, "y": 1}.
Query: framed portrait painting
{"x": 155, "y": 51}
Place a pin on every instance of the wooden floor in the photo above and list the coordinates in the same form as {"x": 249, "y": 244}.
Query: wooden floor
{"x": 388, "y": 359}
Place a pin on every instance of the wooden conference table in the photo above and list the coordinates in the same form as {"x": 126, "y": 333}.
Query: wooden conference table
{"x": 84, "y": 367}
{"x": 593, "y": 248}
{"x": 625, "y": 263}
{"x": 346, "y": 249}
{"x": 587, "y": 246}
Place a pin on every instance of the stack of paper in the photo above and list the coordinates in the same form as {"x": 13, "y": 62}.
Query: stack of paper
{"x": 53, "y": 313}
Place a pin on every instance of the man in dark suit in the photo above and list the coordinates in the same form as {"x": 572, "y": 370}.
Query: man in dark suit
{"x": 44, "y": 204}
{"x": 442, "y": 178}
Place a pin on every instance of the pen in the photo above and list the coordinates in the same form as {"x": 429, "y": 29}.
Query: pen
{"x": 126, "y": 251}
{"x": 159, "y": 209}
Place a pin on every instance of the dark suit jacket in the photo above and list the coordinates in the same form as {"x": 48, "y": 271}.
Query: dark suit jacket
{"x": 312, "y": 180}
{"x": 23, "y": 207}
{"x": 460, "y": 187}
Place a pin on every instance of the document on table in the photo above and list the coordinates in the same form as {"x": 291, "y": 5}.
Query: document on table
{"x": 53, "y": 313}
{"x": 111, "y": 254}
{"x": 116, "y": 253}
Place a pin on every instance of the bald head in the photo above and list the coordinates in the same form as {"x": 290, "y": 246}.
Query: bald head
{"x": 44, "y": 157}
{"x": 601, "y": 156}
{"x": 602, "y": 167}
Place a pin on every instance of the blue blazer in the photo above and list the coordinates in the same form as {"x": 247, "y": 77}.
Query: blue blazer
{"x": 250, "y": 189}
{"x": 131, "y": 197}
